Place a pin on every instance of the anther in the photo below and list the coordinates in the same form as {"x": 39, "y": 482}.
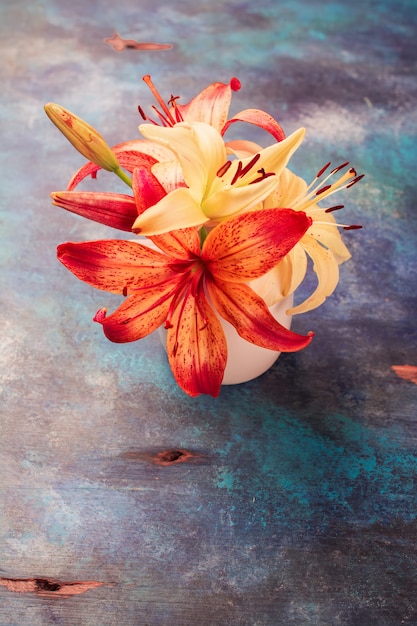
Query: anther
{"x": 124, "y": 291}
{"x": 173, "y": 99}
{"x": 223, "y": 169}
{"x": 262, "y": 176}
{"x": 352, "y": 227}
{"x": 334, "y": 208}
{"x": 170, "y": 120}
{"x": 164, "y": 120}
{"x": 241, "y": 171}
{"x": 340, "y": 167}
{"x": 355, "y": 180}
{"x": 142, "y": 113}
{"x": 235, "y": 84}
{"x": 323, "y": 189}
{"x": 323, "y": 169}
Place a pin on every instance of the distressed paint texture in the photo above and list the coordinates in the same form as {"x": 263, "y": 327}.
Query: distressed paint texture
{"x": 297, "y": 503}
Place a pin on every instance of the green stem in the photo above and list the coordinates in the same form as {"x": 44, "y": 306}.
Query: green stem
{"x": 203, "y": 235}
{"x": 125, "y": 178}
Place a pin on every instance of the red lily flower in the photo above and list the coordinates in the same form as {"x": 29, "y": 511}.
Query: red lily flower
{"x": 182, "y": 286}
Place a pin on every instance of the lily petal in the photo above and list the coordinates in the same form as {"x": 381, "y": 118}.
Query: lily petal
{"x": 177, "y": 210}
{"x": 138, "y": 316}
{"x": 249, "y": 245}
{"x": 169, "y": 174}
{"x": 146, "y": 188}
{"x": 243, "y": 148}
{"x": 111, "y": 209}
{"x": 231, "y": 200}
{"x": 196, "y": 347}
{"x": 130, "y": 154}
{"x": 241, "y": 306}
{"x": 274, "y": 158}
{"x": 211, "y": 105}
{"x": 283, "y": 279}
{"x": 116, "y": 266}
{"x": 327, "y": 270}
{"x": 258, "y": 118}
{"x": 328, "y": 235}
{"x": 290, "y": 186}
{"x": 198, "y": 146}
{"x": 181, "y": 244}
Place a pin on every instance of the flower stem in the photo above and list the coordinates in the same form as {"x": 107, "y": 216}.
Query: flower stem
{"x": 125, "y": 178}
{"x": 203, "y": 235}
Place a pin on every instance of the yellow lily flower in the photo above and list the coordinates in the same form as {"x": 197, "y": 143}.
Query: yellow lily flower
{"x": 322, "y": 241}
{"x": 217, "y": 188}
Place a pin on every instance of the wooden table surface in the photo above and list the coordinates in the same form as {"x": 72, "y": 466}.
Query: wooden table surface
{"x": 296, "y": 501}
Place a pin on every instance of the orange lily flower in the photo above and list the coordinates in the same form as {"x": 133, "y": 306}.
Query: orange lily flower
{"x": 183, "y": 286}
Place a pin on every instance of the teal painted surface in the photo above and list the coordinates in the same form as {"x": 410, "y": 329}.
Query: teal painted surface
{"x": 299, "y": 506}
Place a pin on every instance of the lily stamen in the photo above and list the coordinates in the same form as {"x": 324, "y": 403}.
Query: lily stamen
{"x": 166, "y": 116}
{"x": 324, "y": 190}
{"x": 262, "y": 176}
{"x": 179, "y": 294}
{"x": 344, "y": 226}
{"x": 242, "y": 171}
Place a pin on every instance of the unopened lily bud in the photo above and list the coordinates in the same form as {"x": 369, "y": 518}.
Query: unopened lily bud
{"x": 83, "y": 137}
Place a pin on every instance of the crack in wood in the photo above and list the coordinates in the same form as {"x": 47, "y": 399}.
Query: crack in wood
{"x": 49, "y": 587}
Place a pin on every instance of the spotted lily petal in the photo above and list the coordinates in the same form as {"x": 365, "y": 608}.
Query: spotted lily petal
{"x": 116, "y": 266}
{"x": 244, "y": 248}
{"x": 139, "y": 315}
{"x": 242, "y": 307}
{"x": 211, "y": 105}
{"x": 258, "y": 118}
{"x": 196, "y": 347}
{"x": 180, "y": 244}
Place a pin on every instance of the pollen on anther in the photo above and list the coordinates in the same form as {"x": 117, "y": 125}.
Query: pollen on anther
{"x": 340, "y": 167}
{"x": 142, "y": 113}
{"x": 352, "y": 227}
{"x": 355, "y": 180}
{"x": 334, "y": 208}
{"x": 323, "y": 189}
{"x": 223, "y": 169}
{"x": 323, "y": 169}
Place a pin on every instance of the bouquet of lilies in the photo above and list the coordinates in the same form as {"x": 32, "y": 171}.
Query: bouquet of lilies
{"x": 231, "y": 230}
